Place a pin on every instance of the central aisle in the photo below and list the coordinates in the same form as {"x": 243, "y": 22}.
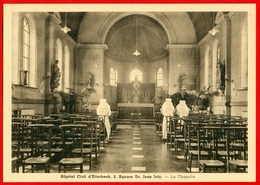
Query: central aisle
{"x": 137, "y": 150}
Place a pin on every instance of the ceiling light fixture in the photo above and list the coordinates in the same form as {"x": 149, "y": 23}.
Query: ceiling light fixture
{"x": 66, "y": 29}
{"x": 136, "y": 53}
{"x": 214, "y": 30}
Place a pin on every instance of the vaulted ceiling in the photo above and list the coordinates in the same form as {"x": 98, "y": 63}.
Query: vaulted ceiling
{"x": 202, "y": 22}
{"x": 139, "y": 31}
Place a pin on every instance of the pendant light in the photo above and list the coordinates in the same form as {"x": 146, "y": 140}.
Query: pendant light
{"x": 214, "y": 30}
{"x": 65, "y": 29}
{"x": 136, "y": 53}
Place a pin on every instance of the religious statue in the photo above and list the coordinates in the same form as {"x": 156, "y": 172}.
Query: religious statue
{"x": 90, "y": 80}
{"x": 56, "y": 74}
{"x": 219, "y": 73}
{"x": 183, "y": 80}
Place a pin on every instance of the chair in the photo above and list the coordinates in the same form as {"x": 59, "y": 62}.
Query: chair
{"x": 101, "y": 132}
{"x": 136, "y": 118}
{"x": 113, "y": 122}
{"x": 16, "y": 140}
{"x": 100, "y": 127}
{"x": 21, "y": 143}
{"x": 40, "y": 135}
{"x": 192, "y": 150}
{"x": 55, "y": 137}
{"x": 175, "y": 133}
{"x": 206, "y": 134}
{"x": 237, "y": 143}
{"x": 94, "y": 142}
{"x": 156, "y": 120}
{"x": 80, "y": 134}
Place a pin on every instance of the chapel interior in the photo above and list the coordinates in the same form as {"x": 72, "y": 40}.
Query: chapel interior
{"x": 128, "y": 92}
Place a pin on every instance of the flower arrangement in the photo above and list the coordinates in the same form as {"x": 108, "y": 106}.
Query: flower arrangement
{"x": 87, "y": 106}
{"x": 197, "y": 101}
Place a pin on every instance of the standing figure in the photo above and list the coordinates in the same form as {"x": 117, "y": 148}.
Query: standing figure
{"x": 104, "y": 111}
{"x": 219, "y": 72}
{"x": 90, "y": 78}
{"x": 183, "y": 80}
{"x": 167, "y": 110}
{"x": 56, "y": 74}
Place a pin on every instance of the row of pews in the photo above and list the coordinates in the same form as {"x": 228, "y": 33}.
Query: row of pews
{"x": 65, "y": 139}
{"x": 209, "y": 143}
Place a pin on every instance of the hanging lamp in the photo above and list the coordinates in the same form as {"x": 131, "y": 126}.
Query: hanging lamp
{"x": 136, "y": 53}
{"x": 214, "y": 30}
{"x": 65, "y": 29}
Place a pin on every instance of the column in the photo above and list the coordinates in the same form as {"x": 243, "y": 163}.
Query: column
{"x": 226, "y": 27}
{"x": 49, "y": 40}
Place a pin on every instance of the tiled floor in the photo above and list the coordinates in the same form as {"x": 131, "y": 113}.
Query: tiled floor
{"x": 133, "y": 150}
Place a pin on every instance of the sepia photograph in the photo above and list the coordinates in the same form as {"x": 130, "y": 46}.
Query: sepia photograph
{"x": 129, "y": 93}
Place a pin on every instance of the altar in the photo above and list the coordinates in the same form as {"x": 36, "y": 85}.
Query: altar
{"x": 146, "y": 109}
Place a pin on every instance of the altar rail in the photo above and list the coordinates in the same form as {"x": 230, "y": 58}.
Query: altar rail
{"x": 146, "y": 109}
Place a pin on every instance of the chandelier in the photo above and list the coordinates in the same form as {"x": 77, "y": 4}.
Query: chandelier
{"x": 66, "y": 29}
{"x": 136, "y": 53}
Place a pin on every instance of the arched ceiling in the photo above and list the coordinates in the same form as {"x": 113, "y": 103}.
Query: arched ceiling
{"x": 152, "y": 38}
{"x": 202, "y": 22}
{"x": 136, "y": 32}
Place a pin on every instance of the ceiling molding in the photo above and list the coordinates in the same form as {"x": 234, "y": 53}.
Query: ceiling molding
{"x": 92, "y": 46}
{"x": 174, "y": 46}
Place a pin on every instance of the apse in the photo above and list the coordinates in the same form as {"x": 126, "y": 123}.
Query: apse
{"x": 136, "y": 32}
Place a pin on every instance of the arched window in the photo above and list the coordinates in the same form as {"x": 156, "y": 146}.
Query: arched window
{"x": 215, "y": 59}
{"x": 159, "y": 77}
{"x": 244, "y": 56}
{"x": 26, "y": 45}
{"x": 208, "y": 68}
{"x": 112, "y": 77}
{"x": 218, "y": 53}
{"x": 66, "y": 67}
{"x": 28, "y": 67}
{"x": 136, "y": 73}
{"x": 58, "y": 56}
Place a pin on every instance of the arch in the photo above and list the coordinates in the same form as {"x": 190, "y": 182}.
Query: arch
{"x": 33, "y": 45}
{"x": 219, "y": 17}
{"x": 57, "y": 15}
{"x": 159, "y": 17}
{"x": 66, "y": 67}
{"x": 136, "y": 73}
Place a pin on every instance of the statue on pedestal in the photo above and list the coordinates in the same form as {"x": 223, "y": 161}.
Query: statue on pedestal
{"x": 183, "y": 80}
{"x": 56, "y": 74}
